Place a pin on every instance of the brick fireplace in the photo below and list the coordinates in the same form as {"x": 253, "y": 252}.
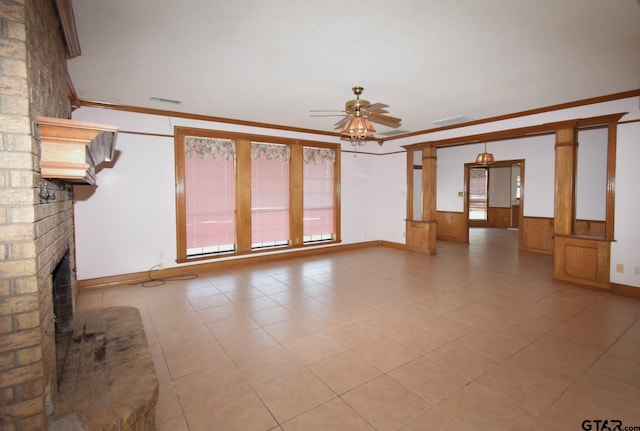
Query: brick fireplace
{"x": 36, "y": 215}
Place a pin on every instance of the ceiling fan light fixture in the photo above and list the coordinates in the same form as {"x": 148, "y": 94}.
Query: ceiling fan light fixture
{"x": 358, "y": 129}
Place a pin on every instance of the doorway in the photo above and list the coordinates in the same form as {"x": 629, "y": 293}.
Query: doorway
{"x": 495, "y": 195}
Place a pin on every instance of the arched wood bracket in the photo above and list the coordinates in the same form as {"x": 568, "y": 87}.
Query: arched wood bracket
{"x": 70, "y": 150}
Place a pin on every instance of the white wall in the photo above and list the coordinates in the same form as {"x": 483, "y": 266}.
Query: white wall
{"x": 538, "y": 153}
{"x": 128, "y": 224}
{"x": 500, "y": 187}
{"x": 591, "y": 175}
{"x": 626, "y": 248}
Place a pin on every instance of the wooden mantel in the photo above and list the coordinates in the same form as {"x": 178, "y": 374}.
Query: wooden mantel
{"x": 70, "y": 150}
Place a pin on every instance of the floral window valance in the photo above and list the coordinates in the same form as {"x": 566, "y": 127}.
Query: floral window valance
{"x": 216, "y": 148}
{"x": 269, "y": 152}
{"x": 315, "y": 155}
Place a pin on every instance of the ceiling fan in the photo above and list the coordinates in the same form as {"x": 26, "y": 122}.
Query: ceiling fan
{"x": 358, "y": 115}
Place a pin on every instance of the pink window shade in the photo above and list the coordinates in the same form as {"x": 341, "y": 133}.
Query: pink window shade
{"x": 478, "y": 180}
{"x": 269, "y": 195}
{"x": 318, "y": 194}
{"x": 210, "y": 201}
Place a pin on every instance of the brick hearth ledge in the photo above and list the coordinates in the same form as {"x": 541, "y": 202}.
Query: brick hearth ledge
{"x": 109, "y": 380}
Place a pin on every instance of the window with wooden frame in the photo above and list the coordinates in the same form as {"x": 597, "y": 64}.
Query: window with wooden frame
{"x": 238, "y": 193}
{"x": 478, "y": 193}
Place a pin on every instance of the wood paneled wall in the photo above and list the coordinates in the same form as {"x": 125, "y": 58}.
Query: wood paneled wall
{"x": 582, "y": 261}
{"x": 451, "y": 226}
{"x": 496, "y": 217}
{"x": 595, "y": 228}
{"x": 536, "y": 235}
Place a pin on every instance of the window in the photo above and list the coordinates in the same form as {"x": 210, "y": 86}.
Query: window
{"x": 478, "y": 200}
{"x": 238, "y": 194}
{"x": 319, "y": 194}
{"x": 209, "y": 195}
{"x": 269, "y": 195}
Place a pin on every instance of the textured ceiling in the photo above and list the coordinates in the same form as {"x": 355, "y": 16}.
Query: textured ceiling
{"x": 273, "y": 61}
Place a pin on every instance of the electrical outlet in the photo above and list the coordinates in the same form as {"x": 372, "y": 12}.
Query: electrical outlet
{"x": 160, "y": 266}
{"x": 636, "y": 271}
{"x": 619, "y": 267}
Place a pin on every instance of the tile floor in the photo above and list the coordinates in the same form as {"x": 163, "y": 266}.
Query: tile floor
{"x": 476, "y": 338}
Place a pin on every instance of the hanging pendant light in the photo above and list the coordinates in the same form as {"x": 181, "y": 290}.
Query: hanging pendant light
{"x": 485, "y": 158}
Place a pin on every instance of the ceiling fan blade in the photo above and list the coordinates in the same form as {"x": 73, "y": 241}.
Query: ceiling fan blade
{"x": 377, "y": 111}
{"x": 385, "y": 120}
{"x": 342, "y": 122}
{"x": 376, "y": 106}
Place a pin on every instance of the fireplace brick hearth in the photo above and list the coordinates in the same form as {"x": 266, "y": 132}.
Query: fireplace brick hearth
{"x": 109, "y": 380}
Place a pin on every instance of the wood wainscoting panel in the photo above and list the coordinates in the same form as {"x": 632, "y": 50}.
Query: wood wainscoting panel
{"x": 536, "y": 235}
{"x": 451, "y": 226}
{"x": 496, "y": 217}
{"x": 421, "y": 236}
{"x": 582, "y": 261}
{"x": 499, "y": 217}
{"x": 590, "y": 228}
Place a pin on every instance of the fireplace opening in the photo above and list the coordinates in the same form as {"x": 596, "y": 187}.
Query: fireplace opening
{"x": 62, "y": 310}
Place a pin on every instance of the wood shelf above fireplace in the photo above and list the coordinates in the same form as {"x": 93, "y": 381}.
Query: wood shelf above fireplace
{"x": 70, "y": 150}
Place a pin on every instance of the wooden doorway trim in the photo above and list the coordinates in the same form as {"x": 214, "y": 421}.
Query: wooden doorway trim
{"x": 499, "y": 163}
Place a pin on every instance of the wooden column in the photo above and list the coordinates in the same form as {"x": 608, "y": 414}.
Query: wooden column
{"x": 565, "y": 189}
{"x": 296, "y": 174}
{"x": 429, "y": 183}
{"x": 243, "y": 195}
{"x": 421, "y": 234}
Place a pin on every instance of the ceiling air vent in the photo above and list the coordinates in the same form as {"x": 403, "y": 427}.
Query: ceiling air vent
{"x": 457, "y": 119}
{"x": 165, "y": 100}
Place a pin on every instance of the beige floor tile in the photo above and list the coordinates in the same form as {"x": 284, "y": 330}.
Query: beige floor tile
{"x": 608, "y": 391}
{"x": 531, "y": 390}
{"x": 385, "y": 403}
{"x": 333, "y": 415}
{"x": 168, "y": 407}
{"x": 462, "y": 360}
{"x": 185, "y": 338}
{"x": 293, "y": 394}
{"x": 253, "y": 304}
{"x": 384, "y": 353}
{"x": 478, "y": 337}
{"x": 213, "y": 314}
{"x": 313, "y": 348}
{"x": 618, "y": 367}
{"x": 233, "y": 325}
{"x": 291, "y": 329}
{"x": 416, "y": 338}
{"x": 429, "y": 380}
{"x": 247, "y": 343}
{"x": 344, "y": 371}
{"x": 177, "y": 424}
{"x": 171, "y": 323}
{"x": 498, "y": 347}
{"x": 561, "y": 363}
{"x": 268, "y": 365}
{"x": 351, "y": 333}
{"x": 479, "y": 408}
{"x": 209, "y": 302}
{"x": 432, "y": 419}
{"x": 271, "y": 315}
{"x": 449, "y": 328}
{"x": 195, "y": 358}
{"x": 239, "y": 412}
{"x": 202, "y": 388}
{"x": 572, "y": 410}
{"x": 438, "y": 305}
